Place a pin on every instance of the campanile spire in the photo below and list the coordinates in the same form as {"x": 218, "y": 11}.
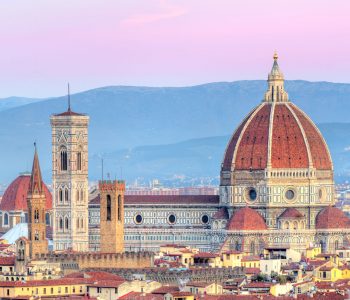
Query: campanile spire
{"x": 276, "y": 92}
{"x": 35, "y": 186}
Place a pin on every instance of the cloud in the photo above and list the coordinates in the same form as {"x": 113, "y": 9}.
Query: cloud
{"x": 169, "y": 13}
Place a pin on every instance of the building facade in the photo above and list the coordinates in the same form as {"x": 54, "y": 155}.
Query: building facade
{"x": 276, "y": 190}
{"x": 70, "y": 180}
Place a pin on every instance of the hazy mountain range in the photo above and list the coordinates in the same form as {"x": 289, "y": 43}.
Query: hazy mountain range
{"x": 162, "y": 132}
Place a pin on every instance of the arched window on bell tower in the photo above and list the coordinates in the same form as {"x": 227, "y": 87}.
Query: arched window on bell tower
{"x": 36, "y": 216}
{"x": 79, "y": 161}
{"x": 109, "y": 210}
{"x": 63, "y": 159}
{"x": 66, "y": 195}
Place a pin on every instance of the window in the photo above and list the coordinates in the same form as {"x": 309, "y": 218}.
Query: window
{"x": 47, "y": 217}
{"x": 119, "y": 207}
{"x": 78, "y": 194}
{"x": 51, "y": 290}
{"x": 116, "y": 291}
{"x": 8, "y": 292}
{"x": 59, "y": 290}
{"x": 36, "y": 236}
{"x": 66, "y": 195}
{"x": 138, "y": 219}
{"x": 61, "y": 223}
{"x": 64, "y": 164}
{"x": 61, "y": 195}
{"x": 109, "y": 216}
{"x": 205, "y": 219}
{"x": 66, "y": 290}
{"x": 79, "y": 161}
{"x": 66, "y": 223}
{"x": 171, "y": 219}
{"x": 44, "y": 291}
{"x": 6, "y": 219}
{"x": 36, "y": 216}
{"x": 99, "y": 290}
{"x": 81, "y": 222}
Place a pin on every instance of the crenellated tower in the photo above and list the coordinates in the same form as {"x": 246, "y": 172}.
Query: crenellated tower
{"x": 112, "y": 216}
{"x": 70, "y": 180}
{"x": 36, "y": 202}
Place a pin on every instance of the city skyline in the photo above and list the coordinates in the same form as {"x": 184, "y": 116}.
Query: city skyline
{"x": 167, "y": 43}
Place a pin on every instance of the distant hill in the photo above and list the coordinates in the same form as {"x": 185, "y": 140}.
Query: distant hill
{"x": 126, "y": 121}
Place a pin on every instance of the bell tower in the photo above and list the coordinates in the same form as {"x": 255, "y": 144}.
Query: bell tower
{"x": 112, "y": 216}
{"x": 36, "y": 202}
{"x": 70, "y": 180}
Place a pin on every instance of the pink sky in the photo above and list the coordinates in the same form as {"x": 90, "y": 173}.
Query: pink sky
{"x": 93, "y": 43}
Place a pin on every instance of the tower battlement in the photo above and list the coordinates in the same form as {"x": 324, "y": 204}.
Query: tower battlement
{"x": 111, "y": 185}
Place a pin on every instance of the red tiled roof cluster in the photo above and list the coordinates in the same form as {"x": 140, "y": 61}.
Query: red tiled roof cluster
{"x": 291, "y": 213}
{"x": 246, "y": 218}
{"x": 332, "y": 218}
{"x": 291, "y": 133}
{"x": 15, "y": 196}
{"x": 7, "y": 261}
{"x": 205, "y": 255}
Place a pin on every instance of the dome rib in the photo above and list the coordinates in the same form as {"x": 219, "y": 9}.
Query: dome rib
{"x": 251, "y": 149}
{"x": 288, "y": 144}
{"x": 321, "y": 157}
{"x": 304, "y": 135}
{"x": 231, "y": 149}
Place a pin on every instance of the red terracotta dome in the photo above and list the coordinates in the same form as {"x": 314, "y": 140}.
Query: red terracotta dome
{"x": 246, "y": 219}
{"x": 332, "y": 218}
{"x": 276, "y": 133}
{"x": 291, "y": 213}
{"x": 15, "y": 196}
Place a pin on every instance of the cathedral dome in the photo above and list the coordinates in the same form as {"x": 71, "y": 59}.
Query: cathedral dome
{"x": 332, "y": 218}
{"x": 15, "y": 196}
{"x": 277, "y": 134}
{"x": 246, "y": 219}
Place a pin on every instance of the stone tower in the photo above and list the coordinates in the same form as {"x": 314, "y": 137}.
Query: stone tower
{"x": 36, "y": 202}
{"x": 70, "y": 180}
{"x": 112, "y": 216}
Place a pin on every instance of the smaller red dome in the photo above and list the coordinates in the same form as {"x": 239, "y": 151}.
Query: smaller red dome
{"x": 15, "y": 196}
{"x": 246, "y": 219}
{"x": 332, "y": 218}
{"x": 291, "y": 213}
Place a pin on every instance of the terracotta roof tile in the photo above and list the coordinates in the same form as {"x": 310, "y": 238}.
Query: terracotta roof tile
{"x": 291, "y": 212}
{"x": 246, "y": 219}
{"x": 332, "y": 218}
{"x": 15, "y": 196}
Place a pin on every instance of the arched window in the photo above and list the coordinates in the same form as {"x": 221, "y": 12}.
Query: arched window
{"x": 295, "y": 225}
{"x": 61, "y": 223}
{"x": 119, "y": 207}
{"x": 77, "y": 223}
{"x": 109, "y": 212}
{"x": 78, "y": 196}
{"x": 336, "y": 245}
{"x": 66, "y": 195}
{"x": 6, "y": 219}
{"x": 61, "y": 195}
{"x": 36, "y": 216}
{"x": 66, "y": 221}
{"x": 47, "y": 219}
{"x": 81, "y": 223}
{"x": 64, "y": 163}
{"x": 252, "y": 247}
{"x": 79, "y": 161}
{"x": 36, "y": 236}
{"x": 81, "y": 195}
